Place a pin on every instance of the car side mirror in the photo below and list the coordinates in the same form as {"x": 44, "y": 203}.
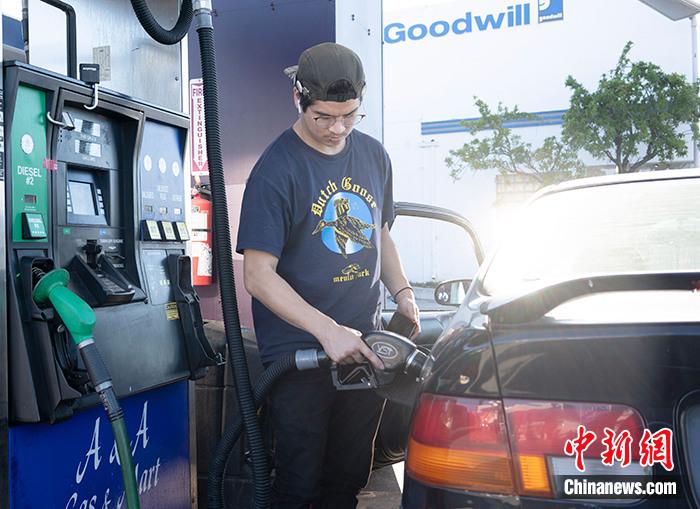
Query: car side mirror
{"x": 452, "y": 292}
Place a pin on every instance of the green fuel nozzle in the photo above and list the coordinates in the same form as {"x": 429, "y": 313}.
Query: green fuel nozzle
{"x": 79, "y": 319}
{"x": 77, "y": 315}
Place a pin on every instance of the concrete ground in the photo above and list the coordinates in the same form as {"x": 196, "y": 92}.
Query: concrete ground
{"x": 383, "y": 490}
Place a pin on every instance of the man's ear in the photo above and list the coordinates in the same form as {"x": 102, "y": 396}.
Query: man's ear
{"x": 297, "y": 100}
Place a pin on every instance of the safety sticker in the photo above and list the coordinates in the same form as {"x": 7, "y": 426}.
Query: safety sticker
{"x": 171, "y": 311}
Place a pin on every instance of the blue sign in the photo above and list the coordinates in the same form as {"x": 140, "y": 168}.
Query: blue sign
{"x": 161, "y": 166}
{"x": 512, "y": 16}
{"x": 74, "y": 464}
{"x": 550, "y": 10}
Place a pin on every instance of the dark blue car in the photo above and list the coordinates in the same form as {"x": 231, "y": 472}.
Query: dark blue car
{"x": 577, "y": 342}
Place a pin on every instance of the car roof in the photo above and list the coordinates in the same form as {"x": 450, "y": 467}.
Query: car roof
{"x": 625, "y": 178}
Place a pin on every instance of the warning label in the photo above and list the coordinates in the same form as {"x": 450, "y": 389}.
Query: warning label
{"x": 171, "y": 311}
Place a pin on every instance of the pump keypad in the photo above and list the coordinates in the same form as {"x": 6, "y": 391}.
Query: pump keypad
{"x": 183, "y": 233}
{"x": 151, "y": 230}
{"x": 33, "y": 226}
{"x": 168, "y": 231}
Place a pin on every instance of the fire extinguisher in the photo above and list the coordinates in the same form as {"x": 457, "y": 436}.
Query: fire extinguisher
{"x": 201, "y": 237}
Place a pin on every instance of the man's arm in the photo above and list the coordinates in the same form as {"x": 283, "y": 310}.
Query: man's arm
{"x": 342, "y": 344}
{"x": 395, "y": 280}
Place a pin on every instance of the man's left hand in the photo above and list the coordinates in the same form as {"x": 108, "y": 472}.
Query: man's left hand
{"x": 406, "y": 305}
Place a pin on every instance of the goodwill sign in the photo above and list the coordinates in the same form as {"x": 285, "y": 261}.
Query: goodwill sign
{"x": 475, "y": 21}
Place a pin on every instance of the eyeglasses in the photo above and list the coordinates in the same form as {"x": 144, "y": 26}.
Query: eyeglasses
{"x": 326, "y": 122}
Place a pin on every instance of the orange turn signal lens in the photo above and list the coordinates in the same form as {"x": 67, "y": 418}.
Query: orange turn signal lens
{"x": 467, "y": 470}
{"x": 460, "y": 443}
{"x": 534, "y": 476}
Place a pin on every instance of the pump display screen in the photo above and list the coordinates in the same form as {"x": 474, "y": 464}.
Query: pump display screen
{"x": 82, "y": 198}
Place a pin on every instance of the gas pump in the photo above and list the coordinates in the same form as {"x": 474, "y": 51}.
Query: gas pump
{"x": 99, "y": 193}
{"x": 95, "y": 226}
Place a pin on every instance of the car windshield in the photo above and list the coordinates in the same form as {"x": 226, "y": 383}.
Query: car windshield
{"x": 651, "y": 226}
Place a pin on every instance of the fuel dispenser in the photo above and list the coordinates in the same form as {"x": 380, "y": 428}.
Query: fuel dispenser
{"x": 100, "y": 193}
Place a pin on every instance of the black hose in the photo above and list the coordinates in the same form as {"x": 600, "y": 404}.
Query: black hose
{"x": 157, "y": 32}
{"x": 222, "y": 241}
{"x": 217, "y": 467}
{"x": 224, "y": 265}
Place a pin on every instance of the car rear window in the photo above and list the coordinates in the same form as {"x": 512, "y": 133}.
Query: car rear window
{"x": 651, "y": 226}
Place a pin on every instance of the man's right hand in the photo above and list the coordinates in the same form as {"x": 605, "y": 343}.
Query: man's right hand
{"x": 345, "y": 346}
{"x": 342, "y": 344}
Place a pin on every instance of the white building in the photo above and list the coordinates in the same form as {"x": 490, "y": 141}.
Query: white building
{"x": 439, "y": 54}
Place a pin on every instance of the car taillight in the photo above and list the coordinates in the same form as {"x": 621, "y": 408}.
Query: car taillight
{"x": 464, "y": 443}
{"x": 460, "y": 443}
{"x": 538, "y": 431}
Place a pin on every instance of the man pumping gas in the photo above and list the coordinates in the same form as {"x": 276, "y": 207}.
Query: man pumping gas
{"x": 315, "y": 237}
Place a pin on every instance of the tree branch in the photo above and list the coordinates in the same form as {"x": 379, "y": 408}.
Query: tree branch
{"x": 650, "y": 154}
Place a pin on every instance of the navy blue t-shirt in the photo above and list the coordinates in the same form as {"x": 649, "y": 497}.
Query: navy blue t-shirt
{"x": 321, "y": 216}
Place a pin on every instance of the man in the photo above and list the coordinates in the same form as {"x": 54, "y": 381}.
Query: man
{"x": 315, "y": 238}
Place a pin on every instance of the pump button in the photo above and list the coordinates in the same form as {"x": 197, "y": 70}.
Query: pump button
{"x": 183, "y": 233}
{"x": 33, "y": 226}
{"x": 168, "y": 232}
{"x": 151, "y": 230}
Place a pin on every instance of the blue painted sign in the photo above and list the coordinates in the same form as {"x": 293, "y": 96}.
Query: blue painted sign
{"x": 512, "y": 16}
{"x": 74, "y": 464}
{"x": 550, "y": 10}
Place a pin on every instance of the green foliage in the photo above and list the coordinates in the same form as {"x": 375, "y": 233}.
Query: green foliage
{"x": 508, "y": 153}
{"x": 634, "y": 116}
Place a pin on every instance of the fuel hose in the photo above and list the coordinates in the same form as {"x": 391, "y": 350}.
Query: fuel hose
{"x": 155, "y": 30}
{"x": 223, "y": 254}
{"x": 300, "y": 360}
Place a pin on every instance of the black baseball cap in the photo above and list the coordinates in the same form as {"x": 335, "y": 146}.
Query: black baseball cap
{"x": 322, "y": 66}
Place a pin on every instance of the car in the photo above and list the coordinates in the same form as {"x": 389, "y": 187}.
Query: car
{"x": 574, "y": 355}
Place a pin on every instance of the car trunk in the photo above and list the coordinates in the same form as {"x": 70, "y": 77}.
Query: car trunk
{"x": 637, "y": 349}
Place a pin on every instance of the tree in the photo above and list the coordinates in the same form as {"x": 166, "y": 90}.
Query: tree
{"x": 634, "y": 116}
{"x": 508, "y": 153}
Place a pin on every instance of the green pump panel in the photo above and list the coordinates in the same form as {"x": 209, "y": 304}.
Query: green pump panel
{"x": 30, "y": 204}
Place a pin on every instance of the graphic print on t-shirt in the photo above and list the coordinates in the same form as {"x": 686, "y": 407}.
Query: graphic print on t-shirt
{"x": 346, "y": 225}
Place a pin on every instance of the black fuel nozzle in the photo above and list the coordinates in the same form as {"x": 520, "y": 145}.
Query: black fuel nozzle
{"x": 400, "y": 357}
{"x": 398, "y": 353}
{"x": 92, "y": 251}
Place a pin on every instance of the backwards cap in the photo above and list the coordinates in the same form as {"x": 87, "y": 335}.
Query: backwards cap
{"x": 322, "y": 66}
